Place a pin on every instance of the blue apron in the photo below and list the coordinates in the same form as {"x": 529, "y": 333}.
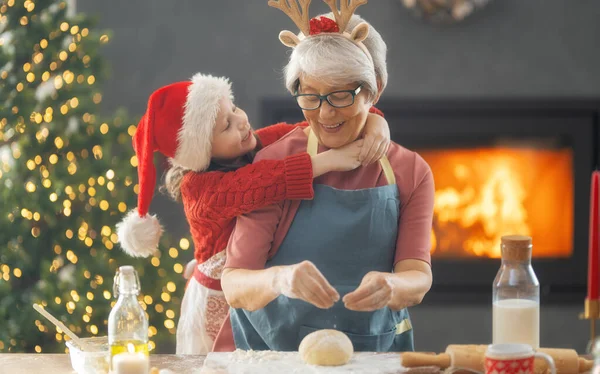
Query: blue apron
{"x": 346, "y": 234}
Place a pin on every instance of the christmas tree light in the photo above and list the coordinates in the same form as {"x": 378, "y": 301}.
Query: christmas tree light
{"x": 67, "y": 176}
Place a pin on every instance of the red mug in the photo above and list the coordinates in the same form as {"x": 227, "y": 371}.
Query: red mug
{"x": 512, "y": 358}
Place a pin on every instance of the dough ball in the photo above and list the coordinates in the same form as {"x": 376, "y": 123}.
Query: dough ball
{"x": 326, "y": 348}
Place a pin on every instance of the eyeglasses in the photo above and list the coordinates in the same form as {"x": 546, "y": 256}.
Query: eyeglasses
{"x": 337, "y": 99}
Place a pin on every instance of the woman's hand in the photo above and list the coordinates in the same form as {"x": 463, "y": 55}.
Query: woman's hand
{"x": 345, "y": 158}
{"x": 405, "y": 287}
{"x": 377, "y": 139}
{"x": 305, "y": 282}
{"x": 374, "y": 292}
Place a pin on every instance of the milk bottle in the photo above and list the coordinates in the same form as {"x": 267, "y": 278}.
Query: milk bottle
{"x": 516, "y": 295}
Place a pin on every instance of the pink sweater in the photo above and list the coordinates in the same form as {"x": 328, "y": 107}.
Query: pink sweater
{"x": 258, "y": 234}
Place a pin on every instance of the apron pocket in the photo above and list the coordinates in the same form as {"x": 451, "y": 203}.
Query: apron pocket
{"x": 362, "y": 343}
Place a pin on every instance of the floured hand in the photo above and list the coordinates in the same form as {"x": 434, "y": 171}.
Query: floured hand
{"x": 374, "y": 292}
{"x": 305, "y": 282}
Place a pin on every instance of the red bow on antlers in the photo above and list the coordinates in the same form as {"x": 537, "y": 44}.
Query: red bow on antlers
{"x": 323, "y": 24}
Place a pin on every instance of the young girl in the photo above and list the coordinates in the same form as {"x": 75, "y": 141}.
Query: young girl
{"x": 210, "y": 144}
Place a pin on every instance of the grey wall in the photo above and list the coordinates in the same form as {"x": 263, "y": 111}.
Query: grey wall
{"x": 512, "y": 48}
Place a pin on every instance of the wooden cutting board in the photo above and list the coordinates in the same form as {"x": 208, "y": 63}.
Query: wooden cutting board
{"x": 269, "y": 362}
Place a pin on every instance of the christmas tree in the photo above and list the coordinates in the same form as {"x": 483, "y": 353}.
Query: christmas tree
{"x": 67, "y": 176}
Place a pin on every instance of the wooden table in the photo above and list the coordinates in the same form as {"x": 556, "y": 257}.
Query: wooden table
{"x": 46, "y": 363}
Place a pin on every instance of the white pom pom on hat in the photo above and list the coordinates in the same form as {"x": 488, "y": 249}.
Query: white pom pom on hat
{"x": 139, "y": 236}
{"x": 178, "y": 123}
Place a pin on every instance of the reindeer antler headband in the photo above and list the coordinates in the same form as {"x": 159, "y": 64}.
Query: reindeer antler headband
{"x": 308, "y": 27}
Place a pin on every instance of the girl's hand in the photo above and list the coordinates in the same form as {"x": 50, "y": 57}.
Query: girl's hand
{"x": 377, "y": 139}
{"x": 305, "y": 282}
{"x": 345, "y": 158}
{"x": 374, "y": 292}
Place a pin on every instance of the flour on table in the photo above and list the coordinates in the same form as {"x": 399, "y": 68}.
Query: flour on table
{"x": 250, "y": 357}
{"x": 271, "y": 362}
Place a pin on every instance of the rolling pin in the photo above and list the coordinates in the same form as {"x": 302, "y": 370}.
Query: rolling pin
{"x": 459, "y": 358}
{"x": 472, "y": 357}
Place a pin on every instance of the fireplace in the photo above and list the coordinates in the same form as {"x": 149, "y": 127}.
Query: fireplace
{"x": 485, "y": 192}
{"x": 500, "y": 167}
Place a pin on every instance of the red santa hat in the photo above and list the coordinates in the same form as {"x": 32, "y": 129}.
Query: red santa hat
{"x": 178, "y": 123}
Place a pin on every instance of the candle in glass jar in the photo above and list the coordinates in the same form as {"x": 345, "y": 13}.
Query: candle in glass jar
{"x": 130, "y": 363}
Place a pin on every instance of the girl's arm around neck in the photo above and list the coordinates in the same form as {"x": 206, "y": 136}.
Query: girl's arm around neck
{"x": 223, "y": 195}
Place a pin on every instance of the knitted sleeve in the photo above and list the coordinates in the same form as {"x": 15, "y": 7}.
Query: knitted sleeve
{"x": 271, "y": 134}
{"x": 218, "y": 195}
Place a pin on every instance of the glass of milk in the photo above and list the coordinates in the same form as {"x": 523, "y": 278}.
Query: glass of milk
{"x": 516, "y": 295}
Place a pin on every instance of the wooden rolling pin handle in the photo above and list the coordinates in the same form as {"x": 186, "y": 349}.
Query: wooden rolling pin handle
{"x": 585, "y": 365}
{"x": 417, "y": 359}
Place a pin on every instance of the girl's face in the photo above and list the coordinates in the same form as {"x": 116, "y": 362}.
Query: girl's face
{"x": 232, "y": 134}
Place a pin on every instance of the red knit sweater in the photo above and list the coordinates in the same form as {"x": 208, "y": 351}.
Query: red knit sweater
{"x": 212, "y": 200}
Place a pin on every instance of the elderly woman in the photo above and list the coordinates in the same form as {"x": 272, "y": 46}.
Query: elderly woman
{"x": 354, "y": 258}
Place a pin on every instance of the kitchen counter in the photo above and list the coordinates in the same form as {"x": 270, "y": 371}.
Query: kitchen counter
{"x": 46, "y": 363}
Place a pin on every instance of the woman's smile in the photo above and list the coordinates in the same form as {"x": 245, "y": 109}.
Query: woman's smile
{"x": 332, "y": 127}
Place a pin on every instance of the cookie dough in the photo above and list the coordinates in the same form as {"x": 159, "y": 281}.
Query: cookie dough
{"x": 326, "y": 348}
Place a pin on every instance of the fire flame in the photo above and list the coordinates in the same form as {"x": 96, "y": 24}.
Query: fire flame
{"x": 483, "y": 194}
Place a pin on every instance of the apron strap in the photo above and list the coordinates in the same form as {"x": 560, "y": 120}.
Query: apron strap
{"x": 313, "y": 146}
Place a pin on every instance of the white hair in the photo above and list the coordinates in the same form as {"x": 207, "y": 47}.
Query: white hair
{"x": 336, "y": 60}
